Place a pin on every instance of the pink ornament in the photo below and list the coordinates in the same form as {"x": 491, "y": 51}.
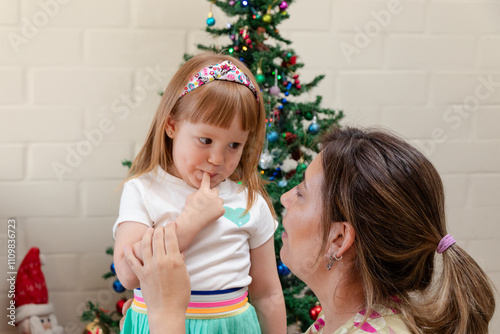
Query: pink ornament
{"x": 274, "y": 91}
{"x": 283, "y": 5}
{"x": 231, "y": 3}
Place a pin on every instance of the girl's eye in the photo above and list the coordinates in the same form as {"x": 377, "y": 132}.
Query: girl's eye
{"x": 234, "y": 145}
{"x": 206, "y": 141}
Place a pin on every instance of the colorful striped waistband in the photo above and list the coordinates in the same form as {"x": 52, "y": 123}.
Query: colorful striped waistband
{"x": 207, "y": 304}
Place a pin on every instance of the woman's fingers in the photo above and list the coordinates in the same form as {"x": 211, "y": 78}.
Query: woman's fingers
{"x": 158, "y": 243}
{"x": 133, "y": 261}
{"x": 147, "y": 251}
{"x": 171, "y": 242}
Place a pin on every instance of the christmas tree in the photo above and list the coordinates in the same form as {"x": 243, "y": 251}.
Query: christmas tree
{"x": 105, "y": 321}
{"x": 293, "y": 128}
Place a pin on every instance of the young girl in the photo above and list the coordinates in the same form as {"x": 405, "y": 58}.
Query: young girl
{"x": 207, "y": 133}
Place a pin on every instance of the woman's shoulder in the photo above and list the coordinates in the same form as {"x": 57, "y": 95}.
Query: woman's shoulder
{"x": 383, "y": 320}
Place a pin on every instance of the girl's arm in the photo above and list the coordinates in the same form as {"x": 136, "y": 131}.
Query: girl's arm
{"x": 127, "y": 233}
{"x": 202, "y": 208}
{"x": 265, "y": 291}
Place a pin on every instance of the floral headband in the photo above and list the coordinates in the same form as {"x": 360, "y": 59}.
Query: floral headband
{"x": 226, "y": 71}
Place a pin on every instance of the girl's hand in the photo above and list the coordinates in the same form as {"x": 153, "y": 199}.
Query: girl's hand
{"x": 165, "y": 282}
{"x": 203, "y": 206}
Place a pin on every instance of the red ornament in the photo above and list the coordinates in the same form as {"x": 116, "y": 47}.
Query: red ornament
{"x": 292, "y": 60}
{"x": 119, "y": 306}
{"x": 296, "y": 76}
{"x": 298, "y": 86}
{"x": 315, "y": 311}
{"x": 285, "y": 83}
{"x": 296, "y": 82}
{"x": 290, "y": 137}
{"x": 296, "y": 155}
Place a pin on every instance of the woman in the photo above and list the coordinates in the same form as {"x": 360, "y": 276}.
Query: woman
{"x": 371, "y": 211}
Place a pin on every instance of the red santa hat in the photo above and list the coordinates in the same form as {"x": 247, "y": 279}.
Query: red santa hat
{"x": 31, "y": 291}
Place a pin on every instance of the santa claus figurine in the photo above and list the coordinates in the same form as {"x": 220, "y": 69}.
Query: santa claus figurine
{"x": 34, "y": 314}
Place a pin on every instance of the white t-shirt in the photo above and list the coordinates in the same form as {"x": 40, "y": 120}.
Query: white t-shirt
{"x": 218, "y": 258}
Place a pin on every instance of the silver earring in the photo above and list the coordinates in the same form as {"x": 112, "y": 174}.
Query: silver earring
{"x": 330, "y": 263}
{"x": 331, "y": 260}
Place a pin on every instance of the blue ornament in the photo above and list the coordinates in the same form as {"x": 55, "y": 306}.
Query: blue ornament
{"x": 283, "y": 183}
{"x": 118, "y": 287}
{"x": 313, "y": 128}
{"x": 210, "y": 21}
{"x": 272, "y": 137}
{"x": 289, "y": 85}
{"x": 284, "y": 101}
{"x": 272, "y": 178}
{"x": 282, "y": 269}
{"x": 287, "y": 93}
{"x": 113, "y": 268}
{"x": 244, "y": 3}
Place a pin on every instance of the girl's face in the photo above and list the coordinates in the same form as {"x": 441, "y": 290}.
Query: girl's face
{"x": 302, "y": 222}
{"x": 201, "y": 148}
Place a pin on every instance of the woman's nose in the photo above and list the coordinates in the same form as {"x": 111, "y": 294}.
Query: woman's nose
{"x": 286, "y": 198}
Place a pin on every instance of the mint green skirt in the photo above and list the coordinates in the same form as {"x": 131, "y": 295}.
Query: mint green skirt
{"x": 244, "y": 323}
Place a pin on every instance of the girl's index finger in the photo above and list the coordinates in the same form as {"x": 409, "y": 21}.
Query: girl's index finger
{"x": 205, "y": 181}
{"x": 171, "y": 242}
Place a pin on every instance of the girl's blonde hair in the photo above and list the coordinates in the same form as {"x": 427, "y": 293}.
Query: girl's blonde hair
{"x": 215, "y": 103}
{"x": 394, "y": 199}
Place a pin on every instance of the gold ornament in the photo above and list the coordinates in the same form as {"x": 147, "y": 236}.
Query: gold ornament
{"x": 267, "y": 18}
{"x": 96, "y": 327}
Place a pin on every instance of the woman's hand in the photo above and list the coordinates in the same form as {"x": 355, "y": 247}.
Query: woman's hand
{"x": 165, "y": 282}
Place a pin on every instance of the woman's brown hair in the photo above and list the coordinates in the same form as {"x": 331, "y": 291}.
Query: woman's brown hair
{"x": 215, "y": 103}
{"x": 393, "y": 197}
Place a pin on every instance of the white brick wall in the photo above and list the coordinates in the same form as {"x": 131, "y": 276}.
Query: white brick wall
{"x": 83, "y": 76}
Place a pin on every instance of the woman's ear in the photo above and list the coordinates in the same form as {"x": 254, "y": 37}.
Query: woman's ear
{"x": 170, "y": 127}
{"x": 341, "y": 238}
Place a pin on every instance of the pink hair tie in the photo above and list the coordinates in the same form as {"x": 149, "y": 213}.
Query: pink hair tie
{"x": 446, "y": 242}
